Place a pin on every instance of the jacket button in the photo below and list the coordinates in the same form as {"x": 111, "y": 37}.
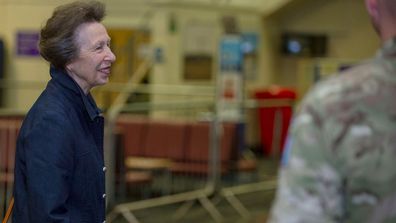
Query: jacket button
{"x": 104, "y": 195}
{"x": 104, "y": 169}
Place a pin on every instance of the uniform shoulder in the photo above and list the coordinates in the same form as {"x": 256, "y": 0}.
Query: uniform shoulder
{"x": 343, "y": 85}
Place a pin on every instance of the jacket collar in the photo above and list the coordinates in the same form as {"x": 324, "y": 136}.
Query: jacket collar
{"x": 62, "y": 77}
{"x": 388, "y": 49}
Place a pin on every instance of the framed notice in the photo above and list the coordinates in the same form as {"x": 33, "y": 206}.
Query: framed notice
{"x": 198, "y": 67}
{"x": 199, "y": 47}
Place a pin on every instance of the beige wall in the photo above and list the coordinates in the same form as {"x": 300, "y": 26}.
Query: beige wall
{"x": 173, "y": 45}
{"x": 30, "y": 15}
{"x": 19, "y": 17}
{"x": 351, "y": 38}
{"x": 2, "y": 17}
{"x": 22, "y": 15}
{"x": 345, "y": 22}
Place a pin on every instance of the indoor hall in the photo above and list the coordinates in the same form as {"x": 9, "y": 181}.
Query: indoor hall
{"x": 199, "y": 99}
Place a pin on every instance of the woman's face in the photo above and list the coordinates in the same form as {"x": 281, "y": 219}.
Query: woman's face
{"x": 92, "y": 65}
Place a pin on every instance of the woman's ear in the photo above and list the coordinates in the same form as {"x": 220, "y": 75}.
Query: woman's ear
{"x": 69, "y": 67}
{"x": 372, "y": 8}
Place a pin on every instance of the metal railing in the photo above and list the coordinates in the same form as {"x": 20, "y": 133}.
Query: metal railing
{"x": 194, "y": 105}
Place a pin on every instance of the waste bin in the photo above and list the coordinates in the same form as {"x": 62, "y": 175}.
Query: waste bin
{"x": 275, "y": 111}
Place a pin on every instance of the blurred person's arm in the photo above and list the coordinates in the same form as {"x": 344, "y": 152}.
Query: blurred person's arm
{"x": 310, "y": 187}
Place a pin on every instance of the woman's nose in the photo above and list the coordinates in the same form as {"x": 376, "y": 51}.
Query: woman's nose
{"x": 110, "y": 55}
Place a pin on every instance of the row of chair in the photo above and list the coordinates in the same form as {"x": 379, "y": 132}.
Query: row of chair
{"x": 9, "y": 129}
{"x": 175, "y": 153}
{"x": 178, "y": 147}
{"x": 186, "y": 144}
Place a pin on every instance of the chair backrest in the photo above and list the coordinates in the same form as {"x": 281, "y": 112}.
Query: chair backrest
{"x": 199, "y": 141}
{"x": 165, "y": 139}
{"x": 229, "y": 142}
{"x": 133, "y": 129}
{"x": 9, "y": 130}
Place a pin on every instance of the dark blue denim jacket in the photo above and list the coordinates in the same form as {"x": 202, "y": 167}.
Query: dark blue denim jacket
{"x": 59, "y": 165}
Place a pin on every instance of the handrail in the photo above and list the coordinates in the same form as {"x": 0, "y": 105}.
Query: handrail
{"x": 200, "y": 90}
{"x": 9, "y": 210}
{"x": 130, "y": 86}
{"x": 190, "y": 104}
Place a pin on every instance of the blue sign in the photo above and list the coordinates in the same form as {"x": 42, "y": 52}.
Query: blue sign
{"x": 249, "y": 42}
{"x": 231, "y": 58}
{"x": 27, "y": 43}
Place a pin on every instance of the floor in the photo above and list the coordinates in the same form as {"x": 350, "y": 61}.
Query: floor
{"x": 257, "y": 203}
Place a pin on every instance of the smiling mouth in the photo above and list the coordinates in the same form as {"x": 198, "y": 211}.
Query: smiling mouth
{"x": 105, "y": 70}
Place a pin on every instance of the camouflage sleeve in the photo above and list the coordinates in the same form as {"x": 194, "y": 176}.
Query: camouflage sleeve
{"x": 310, "y": 187}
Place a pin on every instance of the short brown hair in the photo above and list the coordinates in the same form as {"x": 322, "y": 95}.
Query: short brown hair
{"x": 57, "y": 38}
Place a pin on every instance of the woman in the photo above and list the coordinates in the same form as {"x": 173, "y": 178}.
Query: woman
{"x": 59, "y": 167}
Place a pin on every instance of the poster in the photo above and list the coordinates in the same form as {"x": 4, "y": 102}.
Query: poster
{"x": 230, "y": 81}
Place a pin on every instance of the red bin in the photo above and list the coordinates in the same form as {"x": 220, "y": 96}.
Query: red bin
{"x": 275, "y": 111}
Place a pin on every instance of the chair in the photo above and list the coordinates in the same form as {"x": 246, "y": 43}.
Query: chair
{"x": 165, "y": 139}
{"x": 133, "y": 129}
{"x": 198, "y": 144}
{"x": 164, "y": 142}
{"x": 127, "y": 179}
{"x": 9, "y": 130}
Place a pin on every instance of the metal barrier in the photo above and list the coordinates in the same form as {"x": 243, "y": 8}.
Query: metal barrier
{"x": 194, "y": 110}
{"x": 211, "y": 190}
{"x": 211, "y": 186}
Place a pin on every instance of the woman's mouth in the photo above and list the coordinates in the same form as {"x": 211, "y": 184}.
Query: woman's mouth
{"x": 105, "y": 70}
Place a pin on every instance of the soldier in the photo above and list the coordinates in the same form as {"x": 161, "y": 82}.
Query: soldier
{"x": 338, "y": 164}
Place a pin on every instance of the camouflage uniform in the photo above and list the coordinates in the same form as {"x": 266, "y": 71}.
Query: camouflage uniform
{"x": 339, "y": 163}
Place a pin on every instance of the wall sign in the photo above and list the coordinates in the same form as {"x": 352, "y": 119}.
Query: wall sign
{"x": 27, "y": 43}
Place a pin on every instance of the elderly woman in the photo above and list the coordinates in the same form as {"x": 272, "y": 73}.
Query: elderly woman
{"x": 59, "y": 165}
